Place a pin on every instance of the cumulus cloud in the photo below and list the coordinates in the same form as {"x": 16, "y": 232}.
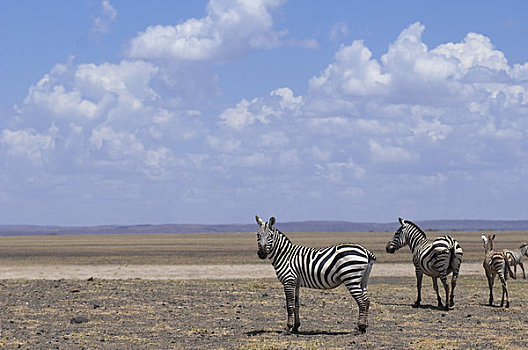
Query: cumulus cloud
{"x": 279, "y": 103}
{"x": 414, "y": 119}
{"x": 353, "y": 73}
{"x": 228, "y": 29}
{"x": 416, "y": 116}
{"x": 28, "y": 144}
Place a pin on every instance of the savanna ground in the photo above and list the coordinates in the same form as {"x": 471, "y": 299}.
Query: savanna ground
{"x": 132, "y": 313}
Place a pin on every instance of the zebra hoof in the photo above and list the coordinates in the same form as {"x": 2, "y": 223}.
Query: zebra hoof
{"x": 362, "y": 329}
{"x": 286, "y": 332}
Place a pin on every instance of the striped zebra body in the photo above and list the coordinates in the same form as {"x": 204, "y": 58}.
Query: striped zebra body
{"x": 496, "y": 264}
{"x": 515, "y": 257}
{"x": 321, "y": 268}
{"x": 436, "y": 259}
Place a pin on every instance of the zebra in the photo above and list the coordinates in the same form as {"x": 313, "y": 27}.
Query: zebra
{"x": 436, "y": 258}
{"x": 325, "y": 268}
{"x": 515, "y": 257}
{"x": 496, "y": 263}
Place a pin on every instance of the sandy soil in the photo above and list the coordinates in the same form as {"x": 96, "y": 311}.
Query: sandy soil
{"x": 182, "y": 272}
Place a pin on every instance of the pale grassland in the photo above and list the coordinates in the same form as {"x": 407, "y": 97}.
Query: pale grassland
{"x": 217, "y": 248}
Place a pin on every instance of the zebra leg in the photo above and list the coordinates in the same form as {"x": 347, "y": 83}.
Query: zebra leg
{"x": 419, "y": 276}
{"x": 289, "y": 290}
{"x": 435, "y": 287}
{"x": 453, "y": 285}
{"x": 363, "y": 301}
{"x": 522, "y": 267}
{"x": 297, "y": 321}
{"x": 504, "y": 291}
{"x": 446, "y": 288}
{"x": 491, "y": 279}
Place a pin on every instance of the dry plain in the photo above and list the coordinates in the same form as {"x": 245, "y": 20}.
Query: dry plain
{"x": 132, "y": 292}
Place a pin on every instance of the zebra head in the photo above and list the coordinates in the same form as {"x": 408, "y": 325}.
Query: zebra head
{"x": 399, "y": 239}
{"x": 487, "y": 240}
{"x": 264, "y": 236}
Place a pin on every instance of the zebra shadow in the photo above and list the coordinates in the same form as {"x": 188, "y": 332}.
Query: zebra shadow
{"x": 421, "y": 306}
{"x": 494, "y": 306}
{"x": 311, "y": 332}
{"x": 428, "y": 307}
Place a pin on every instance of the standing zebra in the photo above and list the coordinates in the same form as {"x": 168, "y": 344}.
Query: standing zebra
{"x": 515, "y": 257}
{"x": 436, "y": 258}
{"x": 496, "y": 263}
{"x": 297, "y": 266}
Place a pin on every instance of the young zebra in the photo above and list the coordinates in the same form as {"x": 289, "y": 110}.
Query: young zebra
{"x": 496, "y": 263}
{"x": 515, "y": 257}
{"x": 297, "y": 266}
{"x": 436, "y": 259}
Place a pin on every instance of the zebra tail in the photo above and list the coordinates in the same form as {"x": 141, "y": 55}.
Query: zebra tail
{"x": 370, "y": 255}
{"x": 452, "y": 254}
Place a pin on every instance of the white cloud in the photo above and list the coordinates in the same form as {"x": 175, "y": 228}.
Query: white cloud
{"x": 28, "y": 144}
{"x": 341, "y": 172}
{"x": 103, "y": 22}
{"x": 393, "y": 154}
{"x": 245, "y": 113}
{"x": 338, "y": 32}
{"x": 433, "y": 129}
{"x": 228, "y": 29}
{"x": 60, "y": 102}
{"x": 367, "y": 127}
{"x": 354, "y": 72}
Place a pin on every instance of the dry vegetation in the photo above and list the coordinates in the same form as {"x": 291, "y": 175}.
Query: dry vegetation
{"x": 218, "y": 248}
{"x": 240, "y": 314}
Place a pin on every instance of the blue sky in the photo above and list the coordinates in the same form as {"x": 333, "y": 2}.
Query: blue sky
{"x": 212, "y": 111}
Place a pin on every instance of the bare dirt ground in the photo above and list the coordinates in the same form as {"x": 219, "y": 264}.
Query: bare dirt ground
{"x": 183, "y": 272}
{"x": 212, "y": 292}
{"x": 249, "y": 314}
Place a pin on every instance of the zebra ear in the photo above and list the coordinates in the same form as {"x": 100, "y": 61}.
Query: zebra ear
{"x": 271, "y": 222}
{"x": 483, "y": 238}
{"x": 401, "y": 221}
{"x": 493, "y": 237}
{"x": 259, "y": 220}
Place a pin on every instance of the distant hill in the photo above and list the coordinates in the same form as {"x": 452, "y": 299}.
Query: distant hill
{"x": 299, "y": 226}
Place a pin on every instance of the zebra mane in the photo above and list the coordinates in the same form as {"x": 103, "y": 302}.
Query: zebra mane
{"x": 281, "y": 234}
{"x": 416, "y": 226}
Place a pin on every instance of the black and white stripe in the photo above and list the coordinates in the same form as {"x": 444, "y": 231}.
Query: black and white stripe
{"x": 496, "y": 264}
{"x": 298, "y": 266}
{"x": 436, "y": 258}
{"x": 515, "y": 257}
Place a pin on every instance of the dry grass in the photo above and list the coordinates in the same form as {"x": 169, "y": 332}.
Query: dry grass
{"x": 219, "y": 248}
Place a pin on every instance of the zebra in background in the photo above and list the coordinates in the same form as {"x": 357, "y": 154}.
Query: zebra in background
{"x": 325, "y": 268}
{"x": 436, "y": 258}
{"x": 515, "y": 257}
{"x": 496, "y": 263}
